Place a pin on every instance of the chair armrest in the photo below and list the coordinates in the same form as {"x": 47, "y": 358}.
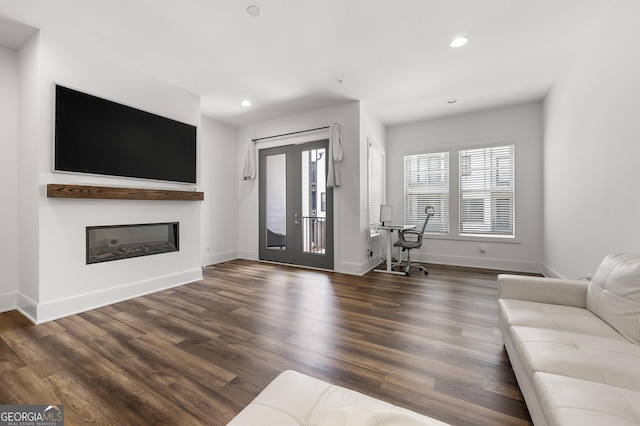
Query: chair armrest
{"x": 544, "y": 290}
{"x": 414, "y": 236}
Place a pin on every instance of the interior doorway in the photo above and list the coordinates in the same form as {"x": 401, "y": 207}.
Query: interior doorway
{"x": 296, "y": 207}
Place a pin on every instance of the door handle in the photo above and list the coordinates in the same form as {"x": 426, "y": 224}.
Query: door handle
{"x": 296, "y": 222}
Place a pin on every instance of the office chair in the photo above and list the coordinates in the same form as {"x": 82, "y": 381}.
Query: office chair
{"x": 412, "y": 239}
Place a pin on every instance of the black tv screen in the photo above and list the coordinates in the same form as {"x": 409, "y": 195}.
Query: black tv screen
{"x": 97, "y": 136}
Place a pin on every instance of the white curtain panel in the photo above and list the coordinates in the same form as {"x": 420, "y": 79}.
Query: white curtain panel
{"x": 335, "y": 155}
{"x": 249, "y": 171}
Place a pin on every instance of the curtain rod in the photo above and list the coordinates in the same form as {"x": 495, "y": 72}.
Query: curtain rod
{"x": 289, "y": 134}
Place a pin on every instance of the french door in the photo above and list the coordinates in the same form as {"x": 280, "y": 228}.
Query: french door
{"x": 296, "y": 207}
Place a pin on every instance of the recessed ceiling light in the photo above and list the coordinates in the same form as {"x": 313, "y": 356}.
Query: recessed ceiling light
{"x": 254, "y": 11}
{"x": 459, "y": 41}
{"x": 452, "y": 100}
{"x": 245, "y": 103}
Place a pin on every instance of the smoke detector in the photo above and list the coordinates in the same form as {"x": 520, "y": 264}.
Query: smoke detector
{"x": 254, "y": 11}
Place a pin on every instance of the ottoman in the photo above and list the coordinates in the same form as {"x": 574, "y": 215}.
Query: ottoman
{"x": 293, "y": 398}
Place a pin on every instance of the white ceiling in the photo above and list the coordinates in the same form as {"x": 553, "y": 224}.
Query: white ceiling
{"x": 391, "y": 54}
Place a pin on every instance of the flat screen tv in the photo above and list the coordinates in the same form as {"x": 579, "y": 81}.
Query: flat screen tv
{"x": 97, "y": 136}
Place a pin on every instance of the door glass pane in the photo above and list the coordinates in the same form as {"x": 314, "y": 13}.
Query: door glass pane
{"x": 314, "y": 188}
{"x": 276, "y": 202}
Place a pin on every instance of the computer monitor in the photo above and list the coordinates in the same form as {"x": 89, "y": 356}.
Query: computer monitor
{"x": 386, "y": 211}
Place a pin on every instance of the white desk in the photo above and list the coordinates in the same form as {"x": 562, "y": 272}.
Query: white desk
{"x": 389, "y": 230}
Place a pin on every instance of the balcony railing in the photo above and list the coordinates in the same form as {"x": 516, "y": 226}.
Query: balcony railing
{"x": 314, "y": 234}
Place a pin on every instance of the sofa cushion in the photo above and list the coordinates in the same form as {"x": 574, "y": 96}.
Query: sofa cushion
{"x": 614, "y": 294}
{"x": 293, "y": 398}
{"x": 358, "y": 416}
{"x": 570, "y": 401}
{"x": 554, "y": 317}
{"x": 597, "y": 359}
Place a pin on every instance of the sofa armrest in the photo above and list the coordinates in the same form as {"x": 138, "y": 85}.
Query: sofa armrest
{"x": 544, "y": 290}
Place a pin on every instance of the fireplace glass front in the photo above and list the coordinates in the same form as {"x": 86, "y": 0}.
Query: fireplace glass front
{"x": 106, "y": 243}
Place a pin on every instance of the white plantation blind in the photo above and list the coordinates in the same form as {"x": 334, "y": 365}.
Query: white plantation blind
{"x": 426, "y": 183}
{"x": 376, "y": 184}
{"x": 487, "y": 186}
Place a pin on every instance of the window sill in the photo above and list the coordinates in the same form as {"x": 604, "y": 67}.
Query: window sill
{"x": 474, "y": 238}
{"x": 374, "y": 234}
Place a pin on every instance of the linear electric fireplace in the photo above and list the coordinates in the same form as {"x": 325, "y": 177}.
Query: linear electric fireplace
{"x": 106, "y": 243}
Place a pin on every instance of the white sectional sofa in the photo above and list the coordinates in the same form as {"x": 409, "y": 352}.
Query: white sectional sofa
{"x": 295, "y": 399}
{"x": 574, "y": 345}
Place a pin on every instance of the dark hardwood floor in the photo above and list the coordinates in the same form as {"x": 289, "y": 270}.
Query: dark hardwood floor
{"x": 197, "y": 354}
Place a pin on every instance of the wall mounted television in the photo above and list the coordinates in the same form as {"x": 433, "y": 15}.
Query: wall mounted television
{"x": 97, "y": 136}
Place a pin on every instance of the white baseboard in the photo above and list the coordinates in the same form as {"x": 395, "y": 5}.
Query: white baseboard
{"x": 43, "y": 312}
{"x": 480, "y": 262}
{"x": 352, "y": 268}
{"x": 8, "y": 302}
{"x": 362, "y": 268}
{"x": 247, "y": 254}
{"x": 549, "y": 272}
{"x": 219, "y": 258}
{"x": 27, "y": 307}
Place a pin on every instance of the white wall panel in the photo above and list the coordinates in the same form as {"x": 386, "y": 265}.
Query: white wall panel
{"x": 519, "y": 123}
{"x": 591, "y": 151}
{"x": 9, "y": 244}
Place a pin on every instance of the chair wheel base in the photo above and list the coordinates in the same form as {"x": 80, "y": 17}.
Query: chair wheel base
{"x": 407, "y": 269}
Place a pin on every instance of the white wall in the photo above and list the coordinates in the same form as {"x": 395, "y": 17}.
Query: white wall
{"x": 591, "y": 151}
{"x": 220, "y": 180}
{"x": 349, "y": 245}
{"x": 63, "y": 283}
{"x": 9, "y": 248}
{"x": 28, "y": 175}
{"x": 521, "y": 123}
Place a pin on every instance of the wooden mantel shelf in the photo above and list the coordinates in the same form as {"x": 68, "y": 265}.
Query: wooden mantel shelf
{"x": 55, "y": 190}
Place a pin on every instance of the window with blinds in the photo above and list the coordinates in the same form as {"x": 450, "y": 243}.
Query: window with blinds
{"x": 426, "y": 183}
{"x": 376, "y": 184}
{"x": 487, "y": 187}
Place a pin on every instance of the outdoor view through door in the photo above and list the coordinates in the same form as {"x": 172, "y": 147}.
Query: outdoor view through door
{"x": 296, "y": 207}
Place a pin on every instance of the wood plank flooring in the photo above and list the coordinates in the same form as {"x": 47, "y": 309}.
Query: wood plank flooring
{"x": 198, "y": 353}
